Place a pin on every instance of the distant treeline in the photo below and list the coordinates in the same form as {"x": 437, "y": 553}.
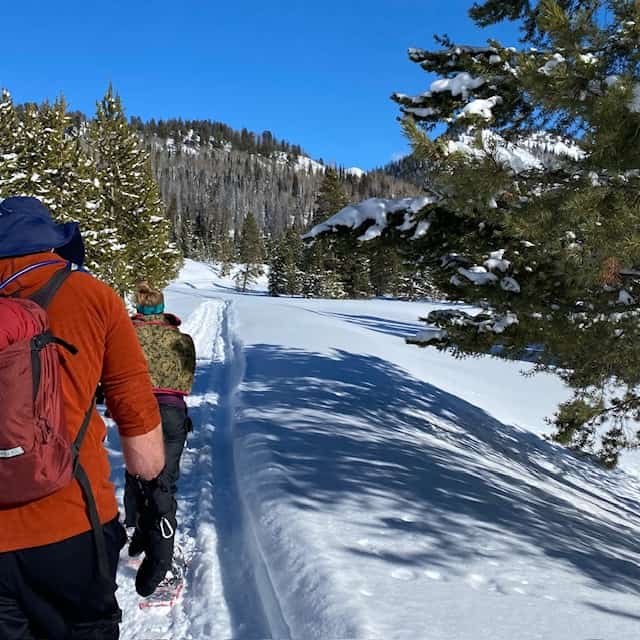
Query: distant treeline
{"x": 217, "y": 134}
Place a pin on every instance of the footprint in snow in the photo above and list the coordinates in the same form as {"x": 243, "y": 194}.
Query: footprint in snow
{"x": 495, "y": 587}
{"x": 407, "y": 518}
{"x": 475, "y": 580}
{"x": 404, "y": 574}
{"x": 433, "y": 575}
{"x": 369, "y": 546}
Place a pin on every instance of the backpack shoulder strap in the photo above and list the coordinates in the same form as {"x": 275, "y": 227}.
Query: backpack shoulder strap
{"x": 77, "y": 443}
{"x": 45, "y": 294}
{"x": 27, "y": 269}
{"x": 139, "y": 321}
{"x": 92, "y": 509}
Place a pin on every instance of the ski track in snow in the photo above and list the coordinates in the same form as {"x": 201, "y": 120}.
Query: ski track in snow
{"x": 227, "y": 592}
{"x": 208, "y": 513}
{"x": 196, "y": 534}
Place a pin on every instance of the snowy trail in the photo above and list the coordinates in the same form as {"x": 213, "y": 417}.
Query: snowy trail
{"x": 341, "y": 484}
{"x": 221, "y": 598}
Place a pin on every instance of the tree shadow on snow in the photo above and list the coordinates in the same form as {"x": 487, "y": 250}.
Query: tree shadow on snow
{"x": 232, "y": 289}
{"x": 395, "y": 328}
{"x": 354, "y": 429}
{"x": 616, "y": 612}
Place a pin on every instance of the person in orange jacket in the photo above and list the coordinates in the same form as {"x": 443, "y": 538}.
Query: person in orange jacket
{"x": 51, "y": 583}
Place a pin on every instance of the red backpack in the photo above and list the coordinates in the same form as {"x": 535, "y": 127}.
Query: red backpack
{"x": 37, "y": 457}
{"x": 35, "y": 452}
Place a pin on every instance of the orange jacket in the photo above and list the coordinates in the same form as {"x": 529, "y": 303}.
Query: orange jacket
{"x": 89, "y": 315}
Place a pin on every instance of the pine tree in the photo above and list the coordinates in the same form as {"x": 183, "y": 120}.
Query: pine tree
{"x": 528, "y": 12}
{"x": 277, "y": 269}
{"x": 386, "y": 269}
{"x": 293, "y": 250}
{"x": 69, "y": 185}
{"x": 226, "y": 254}
{"x": 320, "y": 264}
{"x": 222, "y": 248}
{"x": 131, "y": 197}
{"x": 415, "y": 275}
{"x": 250, "y": 253}
{"x": 48, "y": 162}
{"x": 10, "y": 132}
{"x": 416, "y": 282}
{"x": 533, "y": 208}
{"x": 321, "y": 284}
{"x": 331, "y": 197}
{"x": 320, "y": 277}
{"x": 353, "y": 265}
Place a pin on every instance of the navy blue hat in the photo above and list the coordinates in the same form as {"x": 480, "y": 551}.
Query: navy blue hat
{"x": 26, "y": 227}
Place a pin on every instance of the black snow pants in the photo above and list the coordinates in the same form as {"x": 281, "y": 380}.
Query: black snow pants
{"x": 55, "y": 592}
{"x": 175, "y": 426}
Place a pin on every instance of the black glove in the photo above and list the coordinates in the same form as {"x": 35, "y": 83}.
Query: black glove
{"x": 155, "y": 532}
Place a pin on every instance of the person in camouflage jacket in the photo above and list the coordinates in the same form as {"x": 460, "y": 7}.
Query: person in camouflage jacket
{"x": 171, "y": 358}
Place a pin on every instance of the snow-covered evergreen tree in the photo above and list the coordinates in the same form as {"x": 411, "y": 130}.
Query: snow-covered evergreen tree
{"x": 533, "y": 212}
{"x": 9, "y": 134}
{"x": 42, "y": 159}
{"x": 322, "y": 284}
{"x": 293, "y": 250}
{"x": 353, "y": 260}
{"x": 131, "y": 197}
{"x": 331, "y": 197}
{"x": 277, "y": 270}
{"x": 386, "y": 269}
{"x": 251, "y": 253}
{"x": 226, "y": 254}
{"x": 322, "y": 277}
{"x": 416, "y": 282}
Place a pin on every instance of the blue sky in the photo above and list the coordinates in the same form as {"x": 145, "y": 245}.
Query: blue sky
{"x": 318, "y": 74}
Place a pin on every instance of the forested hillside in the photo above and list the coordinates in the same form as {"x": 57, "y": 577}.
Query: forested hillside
{"x": 212, "y": 177}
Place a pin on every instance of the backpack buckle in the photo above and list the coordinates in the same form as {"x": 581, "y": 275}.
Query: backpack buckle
{"x": 40, "y": 341}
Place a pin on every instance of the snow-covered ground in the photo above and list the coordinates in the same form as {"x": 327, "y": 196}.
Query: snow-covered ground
{"x": 342, "y": 484}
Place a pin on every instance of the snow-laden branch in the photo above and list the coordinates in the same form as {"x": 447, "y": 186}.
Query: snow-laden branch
{"x": 376, "y": 211}
{"x": 536, "y": 152}
{"x": 486, "y": 322}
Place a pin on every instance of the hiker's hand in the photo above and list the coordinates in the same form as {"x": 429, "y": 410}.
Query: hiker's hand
{"x": 155, "y": 533}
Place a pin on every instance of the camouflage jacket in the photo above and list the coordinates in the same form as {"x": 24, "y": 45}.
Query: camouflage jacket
{"x": 170, "y": 354}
